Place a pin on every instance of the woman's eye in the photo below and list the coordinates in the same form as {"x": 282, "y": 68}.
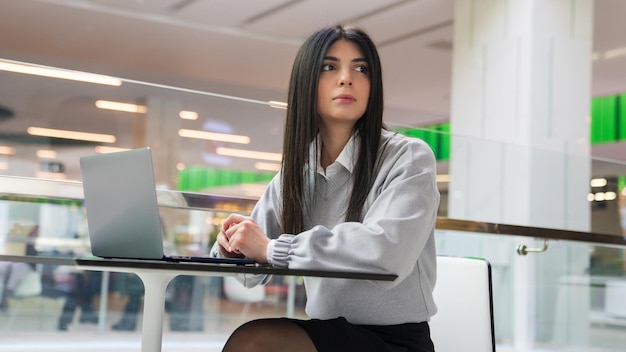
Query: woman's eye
{"x": 328, "y": 67}
{"x": 361, "y": 68}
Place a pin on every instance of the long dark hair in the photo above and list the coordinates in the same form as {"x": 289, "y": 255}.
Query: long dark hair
{"x": 302, "y": 126}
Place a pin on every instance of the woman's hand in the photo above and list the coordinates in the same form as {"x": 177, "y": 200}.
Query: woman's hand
{"x": 241, "y": 236}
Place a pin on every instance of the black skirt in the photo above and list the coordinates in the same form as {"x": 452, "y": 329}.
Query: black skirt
{"x": 340, "y": 335}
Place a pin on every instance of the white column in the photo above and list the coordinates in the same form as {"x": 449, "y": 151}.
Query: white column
{"x": 520, "y": 112}
{"x": 520, "y": 144}
{"x": 4, "y": 225}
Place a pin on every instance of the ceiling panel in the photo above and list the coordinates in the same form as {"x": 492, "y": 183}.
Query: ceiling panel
{"x": 303, "y": 17}
{"x": 609, "y": 24}
{"x": 149, "y": 6}
{"x": 407, "y": 18}
{"x": 233, "y": 13}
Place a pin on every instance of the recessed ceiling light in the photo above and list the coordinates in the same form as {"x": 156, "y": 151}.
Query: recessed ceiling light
{"x": 267, "y": 166}
{"x": 104, "y": 149}
{"x": 14, "y": 66}
{"x": 46, "y": 154}
{"x": 65, "y": 134}
{"x": 277, "y": 104}
{"x": 442, "y": 178}
{"x": 188, "y": 115}
{"x": 598, "y": 182}
{"x": 250, "y": 154}
{"x": 6, "y": 150}
{"x": 613, "y": 53}
{"x": 214, "y": 136}
{"x": 117, "y": 106}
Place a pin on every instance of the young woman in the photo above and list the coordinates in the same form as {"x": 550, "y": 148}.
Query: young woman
{"x": 350, "y": 195}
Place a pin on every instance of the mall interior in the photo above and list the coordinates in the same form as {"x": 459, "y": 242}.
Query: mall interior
{"x": 523, "y": 103}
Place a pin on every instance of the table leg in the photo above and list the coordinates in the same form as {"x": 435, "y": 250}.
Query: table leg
{"x": 291, "y": 295}
{"x": 104, "y": 293}
{"x": 155, "y": 284}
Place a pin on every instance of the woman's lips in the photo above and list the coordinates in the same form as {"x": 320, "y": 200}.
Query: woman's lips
{"x": 344, "y": 98}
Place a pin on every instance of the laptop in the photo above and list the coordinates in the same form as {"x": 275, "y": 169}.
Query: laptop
{"x": 122, "y": 209}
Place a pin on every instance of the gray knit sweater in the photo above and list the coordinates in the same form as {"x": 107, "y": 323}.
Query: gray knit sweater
{"x": 396, "y": 236}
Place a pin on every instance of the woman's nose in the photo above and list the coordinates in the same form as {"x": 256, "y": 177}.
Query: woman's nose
{"x": 345, "y": 79}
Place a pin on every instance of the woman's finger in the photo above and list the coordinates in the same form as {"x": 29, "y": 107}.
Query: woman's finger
{"x": 232, "y": 219}
{"x": 222, "y": 240}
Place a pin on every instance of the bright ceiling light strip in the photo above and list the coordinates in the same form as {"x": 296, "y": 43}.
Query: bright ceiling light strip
{"x": 59, "y": 73}
{"x": 277, "y": 104}
{"x": 214, "y": 136}
{"x": 46, "y": 154}
{"x": 103, "y": 149}
{"x": 250, "y": 154}
{"x": 188, "y": 115}
{"x": 617, "y": 52}
{"x": 267, "y": 166}
{"x": 6, "y": 150}
{"x": 443, "y": 178}
{"x": 117, "y": 106}
{"x": 51, "y": 175}
{"x": 81, "y": 136}
{"x": 598, "y": 182}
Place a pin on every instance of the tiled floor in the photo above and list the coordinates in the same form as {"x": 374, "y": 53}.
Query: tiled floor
{"x": 34, "y": 330}
{"x": 106, "y": 342}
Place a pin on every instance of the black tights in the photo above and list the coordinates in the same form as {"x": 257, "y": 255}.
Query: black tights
{"x": 269, "y": 335}
{"x": 285, "y": 334}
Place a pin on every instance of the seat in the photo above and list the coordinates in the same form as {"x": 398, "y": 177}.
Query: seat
{"x": 237, "y": 292}
{"x": 30, "y": 286}
{"x": 463, "y": 294}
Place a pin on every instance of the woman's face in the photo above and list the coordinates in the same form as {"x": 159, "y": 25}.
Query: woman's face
{"x": 344, "y": 85}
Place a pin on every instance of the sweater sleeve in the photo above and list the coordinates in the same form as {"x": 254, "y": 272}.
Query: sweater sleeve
{"x": 399, "y": 219}
{"x": 266, "y": 215}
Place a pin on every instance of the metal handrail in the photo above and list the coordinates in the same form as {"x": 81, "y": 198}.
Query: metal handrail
{"x": 42, "y": 190}
{"x": 542, "y": 233}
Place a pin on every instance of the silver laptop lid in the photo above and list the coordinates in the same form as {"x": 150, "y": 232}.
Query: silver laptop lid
{"x": 121, "y": 202}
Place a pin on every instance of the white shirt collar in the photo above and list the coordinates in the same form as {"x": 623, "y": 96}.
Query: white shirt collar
{"x": 346, "y": 158}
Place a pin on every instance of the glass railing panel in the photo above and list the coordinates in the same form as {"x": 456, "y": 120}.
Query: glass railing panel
{"x": 512, "y": 183}
{"x": 480, "y": 180}
{"x": 205, "y": 310}
{"x": 199, "y": 139}
{"x": 561, "y": 299}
